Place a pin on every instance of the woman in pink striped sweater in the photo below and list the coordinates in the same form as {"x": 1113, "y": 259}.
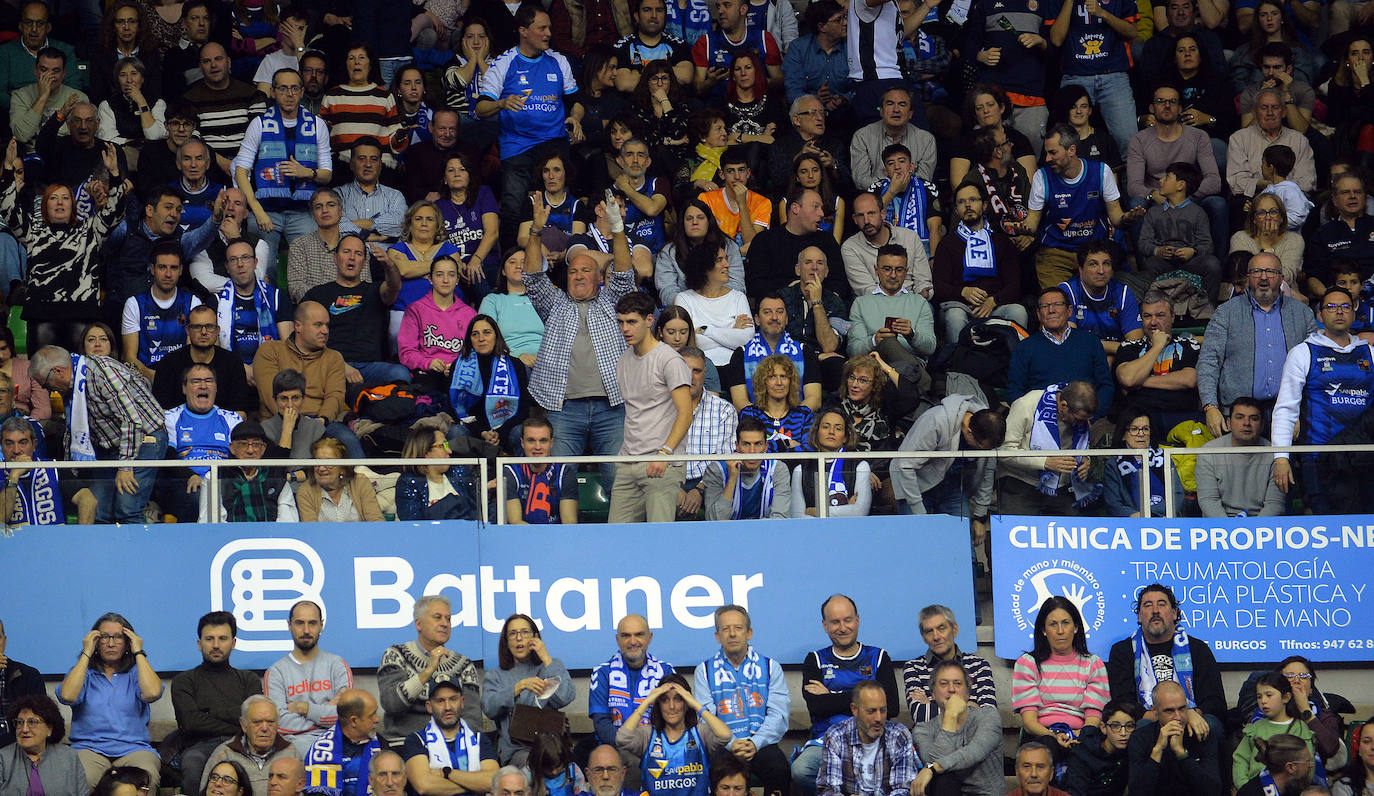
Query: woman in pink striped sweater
{"x": 1059, "y": 687}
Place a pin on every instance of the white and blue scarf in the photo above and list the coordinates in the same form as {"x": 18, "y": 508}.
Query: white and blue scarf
{"x": 500, "y": 399}
{"x": 1045, "y": 437}
{"x": 1129, "y": 467}
{"x": 620, "y": 701}
{"x": 740, "y": 697}
{"x": 757, "y": 349}
{"x": 82, "y": 447}
{"x": 1145, "y": 669}
{"x": 224, "y": 313}
{"x": 737, "y": 499}
{"x": 979, "y": 262}
{"x": 834, "y": 480}
{"x": 269, "y": 182}
{"x": 441, "y": 755}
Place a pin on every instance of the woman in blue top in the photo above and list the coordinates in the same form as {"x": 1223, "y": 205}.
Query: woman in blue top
{"x": 438, "y": 491}
{"x": 777, "y": 404}
{"x": 673, "y": 735}
{"x": 422, "y": 242}
{"x": 471, "y": 223}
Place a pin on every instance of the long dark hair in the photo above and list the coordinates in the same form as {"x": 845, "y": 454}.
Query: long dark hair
{"x": 1278, "y": 682}
{"x": 1204, "y": 66}
{"x": 673, "y": 312}
{"x": 641, "y": 98}
{"x": 689, "y": 717}
{"x": 1316, "y": 697}
{"x": 826, "y": 188}
{"x": 698, "y": 265}
{"x": 501, "y": 348}
{"x": 1064, "y": 99}
{"x": 1041, "y": 651}
{"x": 240, "y": 773}
{"x": 42, "y": 706}
{"x": 503, "y": 654}
{"x": 681, "y": 246}
{"x": 1287, "y": 34}
{"x": 1355, "y": 772}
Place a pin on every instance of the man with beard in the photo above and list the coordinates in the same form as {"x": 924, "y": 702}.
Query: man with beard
{"x": 305, "y": 683}
{"x": 209, "y": 698}
{"x": 1246, "y": 342}
{"x": 256, "y": 749}
{"x": 844, "y": 765}
{"x": 860, "y": 250}
{"x": 975, "y": 270}
{"x": 448, "y": 757}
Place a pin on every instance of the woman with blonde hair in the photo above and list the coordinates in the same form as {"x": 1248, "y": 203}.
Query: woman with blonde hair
{"x": 333, "y": 492}
{"x": 777, "y": 404}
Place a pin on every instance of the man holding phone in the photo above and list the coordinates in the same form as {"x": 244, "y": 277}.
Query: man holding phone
{"x": 892, "y": 320}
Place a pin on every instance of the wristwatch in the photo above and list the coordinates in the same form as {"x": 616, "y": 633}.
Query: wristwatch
{"x": 447, "y": 770}
{"x": 1306, "y": 715}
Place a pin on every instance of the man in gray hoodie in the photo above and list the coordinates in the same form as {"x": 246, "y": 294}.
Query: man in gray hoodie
{"x": 937, "y": 485}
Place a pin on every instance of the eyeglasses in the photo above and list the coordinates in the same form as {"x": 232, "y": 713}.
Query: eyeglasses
{"x": 242, "y": 258}
{"x": 1051, "y": 305}
{"x": 1299, "y": 676}
{"x": 1264, "y": 272}
{"x": 289, "y": 89}
{"x": 33, "y": 722}
{"x": 1268, "y": 211}
{"x": 857, "y": 379}
{"x": 201, "y": 327}
{"x": 602, "y": 771}
{"x": 813, "y": 112}
{"x": 104, "y": 639}
{"x": 225, "y": 778}
{"x": 1337, "y": 307}
{"x": 1138, "y": 430}
{"x": 126, "y": 22}
{"x": 186, "y": 123}
{"x": 249, "y": 443}
{"x": 519, "y": 633}
{"x": 661, "y": 77}
{"x": 1120, "y": 726}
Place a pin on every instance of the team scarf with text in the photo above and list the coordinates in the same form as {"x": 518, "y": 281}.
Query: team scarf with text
{"x": 500, "y": 399}
{"x": 740, "y": 697}
{"x": 441, "y": 754}
{"x": 1045, "y": 437}
{"x": 978, "y": 259}
{"x": 1145, "y": 679}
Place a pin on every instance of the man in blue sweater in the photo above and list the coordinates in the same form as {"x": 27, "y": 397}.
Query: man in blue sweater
{"x": 1059, "y": 353}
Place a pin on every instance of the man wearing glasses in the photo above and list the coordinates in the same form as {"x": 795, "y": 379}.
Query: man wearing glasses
{"x": 202, "y": 332}
{"x": 1246, "y": 341}
{"x": 1059, "y": 354}
{"x": 251, "y": 494}
{"x": 808, "y": 134}
{"x": 17, "y": 57}
{"x": 1328, "y": 381}
{"x": 284, "y": 156}
{"x": 198, "y": 429}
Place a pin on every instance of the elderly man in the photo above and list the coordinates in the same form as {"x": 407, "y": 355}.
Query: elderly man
{"x": 771, "y": 263}
{"x": 1160, "y": 651}
{"x": 1246, "y": 146}
{"x": 714, "y": 420}
{"x": 1166, "y": 758}
{"x": 113, "y": 416}
{"x": 606, "y": 773}
{"x": 337, "y": 764}
{"x": 448, "y": 756}
{"x": 305, "y": 683}
{"x": 574, "y": 374}
{"x": 424, "y": 177}
{"x": 620, "y": 684}
{"x": 211, "y": 267}
{"x": 860, "y": 250}
{"x": 388, "y": 775}
{"x": 1245, "y": 343}
{"x": 808, "y": 134}
{"x": 1053, "y": 420}
{"x": 963, "y": 745}
{"x": 894, "y": 127}
{"x": 939, "y": 629}
{"x": 72, "y": 159}
{"x": 1035, "y": 771}
{"x": 846, "y": 770}
{"x": 891, "y": 320}
{"x": 511, "y": 781}
{"x": 1060, "y": 353}
{"x": 748, "y": 692}
{"x": 406, "y": 670}
{"x": 30, "y": 496}
{"x": 209, "y": 699}
{"x": 1238, "y": 485}
{"x": 36, "y": 102}
{"x": 1348, "y": 236}
{"x": 256, "y": 749}
{"x": 748, "y": 489}
{"x": 830, "y": 674}
{"x": 1158, "y": 372}
{"x": 286, "y": 777}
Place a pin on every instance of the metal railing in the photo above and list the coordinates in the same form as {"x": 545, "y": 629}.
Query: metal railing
{"x": 212, "y": 481}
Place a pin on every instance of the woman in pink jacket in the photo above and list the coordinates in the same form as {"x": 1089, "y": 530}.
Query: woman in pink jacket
{"x": 433, "y": 328}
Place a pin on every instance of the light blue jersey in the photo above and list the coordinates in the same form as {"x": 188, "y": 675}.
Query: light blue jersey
{"x": 543, "y": 81}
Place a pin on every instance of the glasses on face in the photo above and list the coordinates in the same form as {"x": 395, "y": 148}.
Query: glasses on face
{"x": 1264, "y": 272}
{"x": 242, "y": 258}
{"x": 1051, "y": 305}
{"x": 184, "y": 124}
{"x": 288, "y": 89}
{"x": 857, "y": 379}
{"x": 1268, "y": 211}
{"x": 604, "y": 771}
{"x": 107, "y": 639}
{"x": 1138, "y": 430}
{"x": 519, "y": 633}
{"x": 201, "y": 327}
{"x": 225, "y": 778}
{"x": 1120, "y": 726}
{"x": 1299, "y": 676}
{"x": 1336, "y": 307}
{"x": 661, "y": 77}
{"x": 33, "y": 722}
{"x": 813, "y": 112}
{"x": 250, "y": 443}
{"x": 440, "y": 446}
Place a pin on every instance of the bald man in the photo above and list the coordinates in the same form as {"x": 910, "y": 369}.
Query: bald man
{"x": 388, "y": 774}
{"x": 621, "y": 683}
{"x": 307, "y": 351}
{"x": 286, "y": 777}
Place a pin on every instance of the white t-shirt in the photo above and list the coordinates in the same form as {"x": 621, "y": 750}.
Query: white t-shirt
{"x": 1110, "y": 191}
{"x": 281, "y": 59}
{"x": 252, "y": 139}
{"x": 866, "y": 772}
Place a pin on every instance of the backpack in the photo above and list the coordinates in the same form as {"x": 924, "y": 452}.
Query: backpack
{"x": 983, "y": 351}
{"x": 393, "y": 403}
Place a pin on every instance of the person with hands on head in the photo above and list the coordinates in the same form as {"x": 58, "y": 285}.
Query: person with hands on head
{"x": 448, "y": 757}
{"x": 620, "y": 685}
{"x": 962, "y": 746}
{"x": 526, "y": 674}
{"x": 407, "y": 669}
{"x": 1165, "y": 756}
{"x": 1327, "y": 382}
{"x": 109, "y": 690}
{"x": 1059, "y": 687}
{"x": 676, "y": 754}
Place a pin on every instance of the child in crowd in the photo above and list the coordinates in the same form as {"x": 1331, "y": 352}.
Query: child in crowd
{"x": 908, "y": 200}
{"x": 1279, "y": 715}
{"x": 1276, "y": 164}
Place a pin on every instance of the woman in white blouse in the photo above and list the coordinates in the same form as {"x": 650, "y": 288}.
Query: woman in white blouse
{"x": 720, "y": 312}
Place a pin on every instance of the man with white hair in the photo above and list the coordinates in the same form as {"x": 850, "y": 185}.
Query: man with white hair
{"x": 404, "y": 676}
{"x": 257, "y": 749}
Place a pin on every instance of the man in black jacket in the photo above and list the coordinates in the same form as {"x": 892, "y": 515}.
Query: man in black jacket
{"x": 1165, "y": 758}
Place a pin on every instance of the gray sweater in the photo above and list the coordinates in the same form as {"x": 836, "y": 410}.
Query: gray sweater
{"x": 941, "y": 429}
{"x": 1228, "y": 485}
{"x": 498, "y": 696}
{"x": 58, "y": 767}
{"x": 1185, "y": 225}
{"x": 720, "y": 506}
{"x": 972, "y": 753}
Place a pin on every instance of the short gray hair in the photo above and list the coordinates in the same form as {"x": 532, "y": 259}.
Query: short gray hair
{"x": 691, "y": 351}
{"x": 49, "y": 357}
{"x": 1154, "y": 296}
{"x": 505, "y": 771}
{"x": 797, "y": 103}
{"x": 17, "y": 425}
{"x": 934, "y": 610}
{"x": 253, "y": 700}
{"x": 1067, "y": 135}
{"x": 422, "y": 604}
{"x": 1277, "y": 95}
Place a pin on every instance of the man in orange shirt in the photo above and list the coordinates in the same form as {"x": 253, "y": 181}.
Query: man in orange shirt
{"x": 730, "y": 203}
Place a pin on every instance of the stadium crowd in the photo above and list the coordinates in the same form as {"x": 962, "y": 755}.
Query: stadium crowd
{"x": 634, "y": 227}
{"x": 1153, "y": 719}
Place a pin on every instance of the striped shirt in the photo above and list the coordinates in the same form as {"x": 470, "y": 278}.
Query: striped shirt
{"x": 353, "y": 112}
{"x": 225, "y": 114}
{"x": 982, "y": 690}
{"x": 1068, "y": 688}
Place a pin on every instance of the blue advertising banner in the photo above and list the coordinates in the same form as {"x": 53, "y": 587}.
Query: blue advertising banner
{"x": 1255, "y": 589}
{"x": 575, "y": 581}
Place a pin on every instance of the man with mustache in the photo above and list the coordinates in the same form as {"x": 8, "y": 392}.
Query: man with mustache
{"x": 306, "y": 682}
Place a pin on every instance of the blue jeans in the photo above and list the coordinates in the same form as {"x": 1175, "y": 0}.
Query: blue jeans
{"x": 289, "y": 223}
{"x": 14, "y": 262}
{"x": 589, "y": 426}
{"x": 128, "y": 509}
{"x": 1111, "y": 93}
{"x": 805, "y": 766}
{"x": 345, "y": 435}
{"x": 382, "y": 372}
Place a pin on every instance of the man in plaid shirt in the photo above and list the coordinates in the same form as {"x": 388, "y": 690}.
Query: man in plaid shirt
{"x": 125, "y": 422}
{"x": 574, "y": 373}
{"x": 867, "y": 755}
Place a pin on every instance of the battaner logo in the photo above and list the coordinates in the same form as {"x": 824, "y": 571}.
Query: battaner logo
{"x": 1058, "y": 578}
{"x": 264, "y": 578}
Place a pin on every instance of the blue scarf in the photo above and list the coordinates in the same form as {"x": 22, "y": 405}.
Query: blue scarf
{"x": 441, "y": 754}
{"x": 757, "y": 349}
{"x": 1129, "y": 467}
{"x": 1145, "y": 669}
{"x": 618, "y": 697}
{"x": 224, "y": 314}
{"x": 81, "y": 447}
{"x": 273, "y": 149}
{"x": 740, "y": 697}
{"x": 909, "y": 210}
{"x": 1045, "y": 437}
{"x": 324, "y": 764}
{"x": 737, "y": 499}
{"x": 1267, "y": 783}
{"x": 979, "y": 262}
{"x": 1318, "y": 767}
{"x": 835, "y": 481}
{"x": 500, "y": 398}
